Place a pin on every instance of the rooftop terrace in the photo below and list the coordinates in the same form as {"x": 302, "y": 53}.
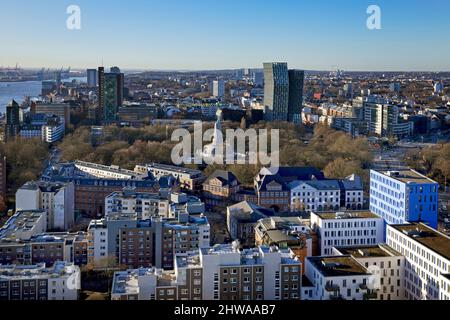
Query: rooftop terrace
{"x": 369, "y": 251}
{"x": 427, "y": 236}
{"x": 408, "y": 176}
{"x": 338, "y": 266}
{"x": 347, "y": 215}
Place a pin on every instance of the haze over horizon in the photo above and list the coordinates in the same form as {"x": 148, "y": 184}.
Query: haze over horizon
{"x": 175, "y": 35}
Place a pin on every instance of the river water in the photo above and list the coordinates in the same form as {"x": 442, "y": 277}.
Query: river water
{"x": 19, "y": 90}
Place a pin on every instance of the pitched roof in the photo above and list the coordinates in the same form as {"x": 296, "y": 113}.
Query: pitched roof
{"x": 249, "y": 212}
{"x": 226, "y": 177}
{"x": 294, "y": 173}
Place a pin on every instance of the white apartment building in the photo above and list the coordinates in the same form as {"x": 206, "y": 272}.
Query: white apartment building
{"x": 219, "y": 273}
{"x": 427, "y": 254}
{"x": 444, "y": 287}
{"x": 324, "y": 195}
{"x": 218, "y": 88}
{"x": 97, "y": 242}
{"x": 106, "y": 172}
{"x": 56, "y": 199}
{"x": 315, "y": 195}
{"x": 36, "y": 282}
{"x": 145, "y": 205}
{"x": 23, "y": 225}
{"x": 385, "y": 264}
{"x": 263, "y": 273}
{"x": 54, "y": 132}
{"x": 338, "y": 278}
{"x": 345, "y": 229}
{"x": 136, "y": 284}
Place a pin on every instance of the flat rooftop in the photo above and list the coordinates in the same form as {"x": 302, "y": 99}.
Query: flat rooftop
{"x": 347, "y": 215}
{"x": 38, "y": 271}
{"x": 427, "y": 237}
{"x": 21, "y": 221}
{"x": 408, "y": 176}
{"x": 369, "y": 251}
{"x": 114, "y": 169}
{"x": 338, "y": 266}
{"x": 165, "y": 167}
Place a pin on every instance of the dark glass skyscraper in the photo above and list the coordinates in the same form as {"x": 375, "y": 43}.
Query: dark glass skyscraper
{"x": 283, "y": 92}
{"x": 13, "y": 119}
{"x": 110, "y": 93}
{"x": 296, "y": 81}
{"x": 101, "y": 92}
{"x": 276, "y": 91}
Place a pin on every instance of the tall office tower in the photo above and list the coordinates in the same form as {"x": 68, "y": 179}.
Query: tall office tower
{"x": 101, "y": 92}
{"x": 218, "y": 88}
{"x": 296, "y": 81}
{"x": 276, "y": 91}
{"x": 348, "y": 89}
{"x": 13, "y": 119}
{"x": 438, "y": 87}
{"x": 258, "y": 78}
{"x": 113, "y": 95}
{"x": 239, "y": 74}
{"x": 92, "y": 78}
{"x": 395, "y": 87}
{"x": 404, "y": 196}
{"x": 110, "y": 93}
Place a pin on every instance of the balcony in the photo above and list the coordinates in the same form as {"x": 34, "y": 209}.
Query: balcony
{"x": 363, "y": 286}
{"x": 330, "y": 287}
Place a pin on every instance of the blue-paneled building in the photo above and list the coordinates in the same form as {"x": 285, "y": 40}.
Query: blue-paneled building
{"x": 404, "y": 196}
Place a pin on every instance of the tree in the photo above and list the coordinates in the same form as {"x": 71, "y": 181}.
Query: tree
{"x": 341, "y": 168}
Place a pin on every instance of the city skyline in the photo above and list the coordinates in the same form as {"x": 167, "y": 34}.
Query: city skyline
{"x": 173, "y": 35}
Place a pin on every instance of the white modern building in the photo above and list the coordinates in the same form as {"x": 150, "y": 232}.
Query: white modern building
{"x": 404, "y": 196}
{"x": 444, "y": 287}
{"x": 427, "y": 254}
{"x": 23, "y": 225}
{"x": 53, "y": 132}
{"x": 325, "y": 195}
{"x": 386, "y": 265}
{"x": 106, "y": 172}
{"x": 218, "y": 88}
{"x": 315, "y": 195}
{"x": 338, "y": 278}
{"x": 346, "y": 229}
{"x": 36, "y": 282}
{"x": 97, "y": 243}
{"x": 138, "y": 284}
{"x": 56, "y": 199}
{"x": 228, "y": 273}
{"x": 145, "y": 205}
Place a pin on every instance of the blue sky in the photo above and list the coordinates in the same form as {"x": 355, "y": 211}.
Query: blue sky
{"x": 216, "y": 34}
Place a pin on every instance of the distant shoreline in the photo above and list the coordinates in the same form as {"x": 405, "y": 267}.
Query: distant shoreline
{"x": 21, "y": 80}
